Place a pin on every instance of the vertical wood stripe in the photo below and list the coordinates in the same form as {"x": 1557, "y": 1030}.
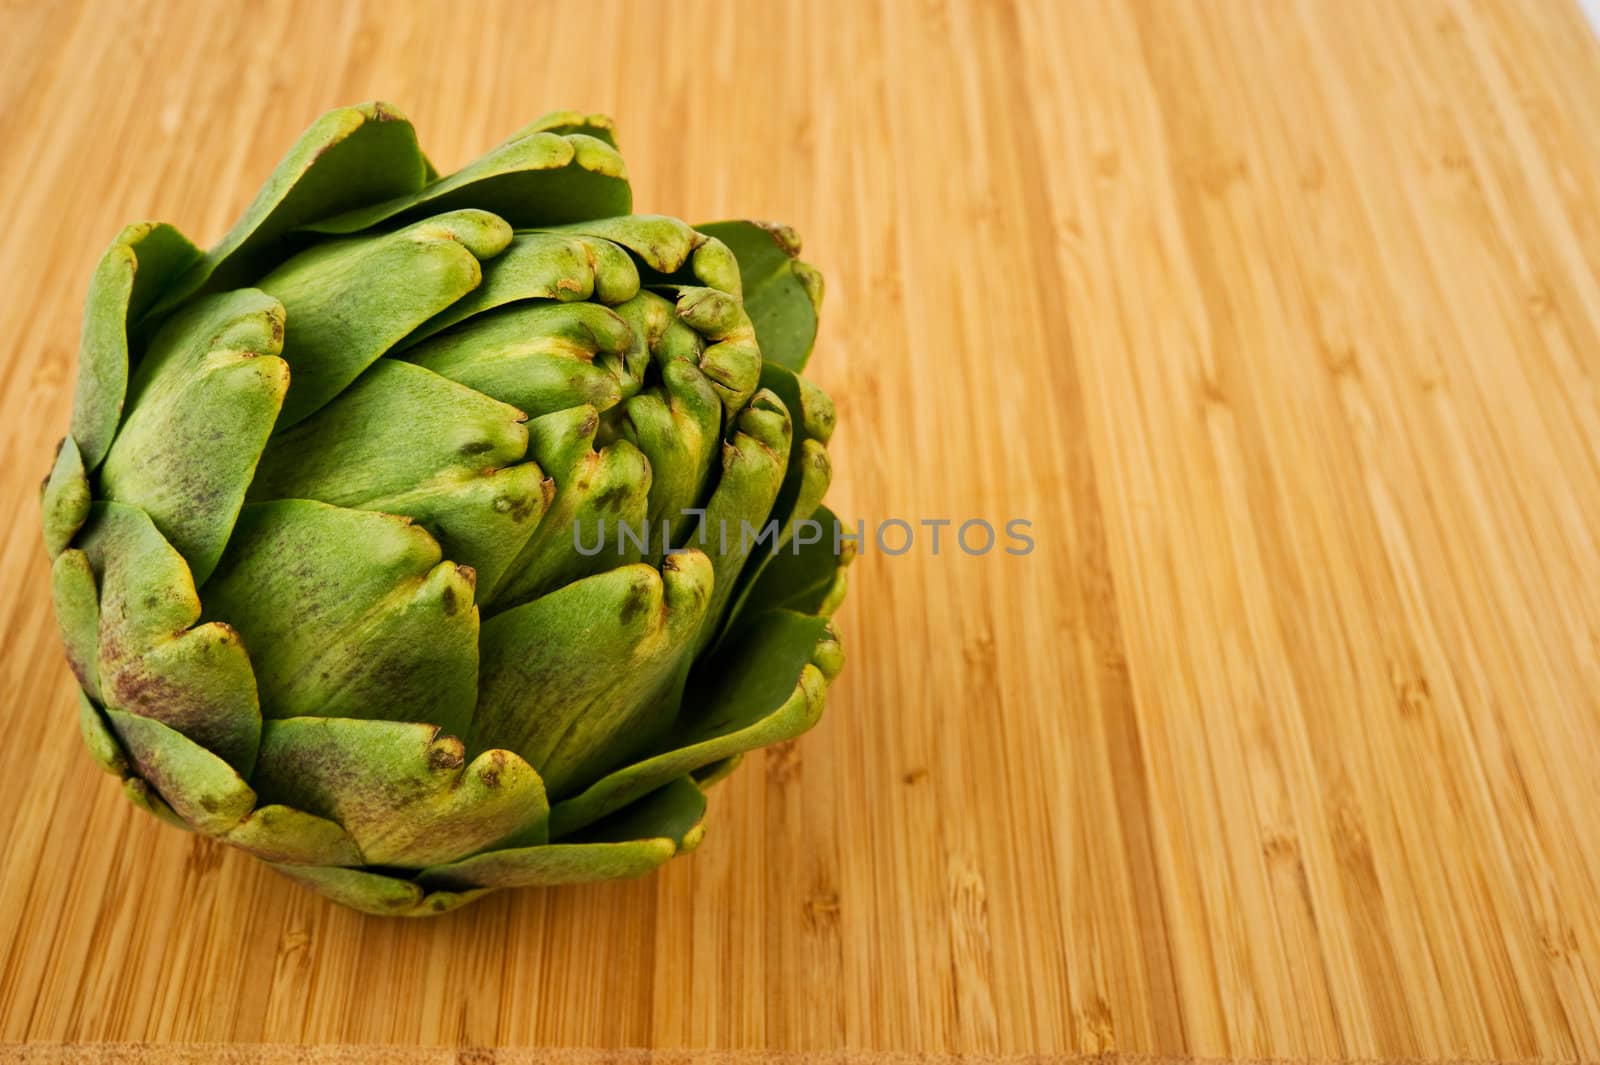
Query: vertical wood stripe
{"x": 1278, "y": 319}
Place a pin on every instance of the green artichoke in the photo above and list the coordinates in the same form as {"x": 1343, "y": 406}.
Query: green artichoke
{"x": 324, "y": 531}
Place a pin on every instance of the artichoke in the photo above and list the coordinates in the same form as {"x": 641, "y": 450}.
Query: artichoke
{"x": 436, "y": 534}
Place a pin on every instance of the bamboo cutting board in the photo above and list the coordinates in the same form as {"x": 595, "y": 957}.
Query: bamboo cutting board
{"x": 1279, "y": 321}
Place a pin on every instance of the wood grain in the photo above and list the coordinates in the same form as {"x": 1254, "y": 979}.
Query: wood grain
{"x": 1280, "y": 321}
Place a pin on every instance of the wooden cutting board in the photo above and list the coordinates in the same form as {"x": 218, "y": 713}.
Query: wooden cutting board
{"x": 1280, "y": 323}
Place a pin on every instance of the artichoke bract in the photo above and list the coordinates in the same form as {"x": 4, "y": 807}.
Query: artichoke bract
{"x": 436, "y": 534}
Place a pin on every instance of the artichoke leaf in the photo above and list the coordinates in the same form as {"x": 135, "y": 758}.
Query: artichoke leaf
{"x": 805, "y": 481}
{"x": 349, "y": 157}
{"x": 600, "y": 127}
{"x": 659, "y": 335}
{"x": 350, "y": 301}
{"x": 809, "y": 403}
{"x": 540, "y": 178}
{"x": 399, "y": 426}
{"x": 405, "y": 792}
{"x": 717, "y": 771}
{"x": 277, "y": 833}
{"x": 571, "y": 679}
{"x": 632, "y": 842}
{"x": 152, "y": 657}
{"x": 203, "y": 402}
{"x": 206, "y": 792}
{"x": 349, "y": 613}
{"x": 541, "y": 266}
{"x": 184, "y": 784}
{"x": 138, "y": 265}
{"x": 732, "y": 359}
{"x": 671, "y": 251}
{"x": 99, "y": 739}
{"x": 598, "y": 494}
{"x": 661, "y": 242}
{"x": 483, "y": 519}
{"x": 375, "y": 893}
{"x": 715, "y": 266}
{"x": 65, "y": 504}
{"x": 677, "y": 422}
{"x": 539, "y": 357}
{"x": 782, "y": 294}
{"x": 555, "y": 864}
{"x": 806, "y": 575}
{"x": 146, "y": 798}
{"x": 77, "y": 608}
{"x": 405, "y": 440}
{"x": 828, "y": 654}
{"x": 761, "y": 689}
{"x": 675, "y": 811}
{"x": 677, "y": 425}
{"x": 738, "y": 514}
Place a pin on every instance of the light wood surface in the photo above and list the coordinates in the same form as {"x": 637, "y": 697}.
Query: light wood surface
{"x": 1281, "y": 323}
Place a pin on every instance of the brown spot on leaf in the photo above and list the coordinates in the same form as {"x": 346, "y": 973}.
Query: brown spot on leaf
{"x": 520, "y": 508}
{"x": 491, "y": 773}
{"x": 148, "y": 694}
{"x": 612, "y": 498}
{"x": 447, "y": 753}
{"x": 634, "y": 604}
{"x": 784, "y": 236}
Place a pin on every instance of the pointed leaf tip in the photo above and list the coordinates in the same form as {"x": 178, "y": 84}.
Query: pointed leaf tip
{"x": 66, "y": 498}
{"x": 781, "y": 294}
{"x": 138, "y": 266}
{"x": 349, "y": 157}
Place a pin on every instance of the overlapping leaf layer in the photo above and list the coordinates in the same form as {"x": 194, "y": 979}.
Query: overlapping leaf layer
{"x": 324, "y": 531}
